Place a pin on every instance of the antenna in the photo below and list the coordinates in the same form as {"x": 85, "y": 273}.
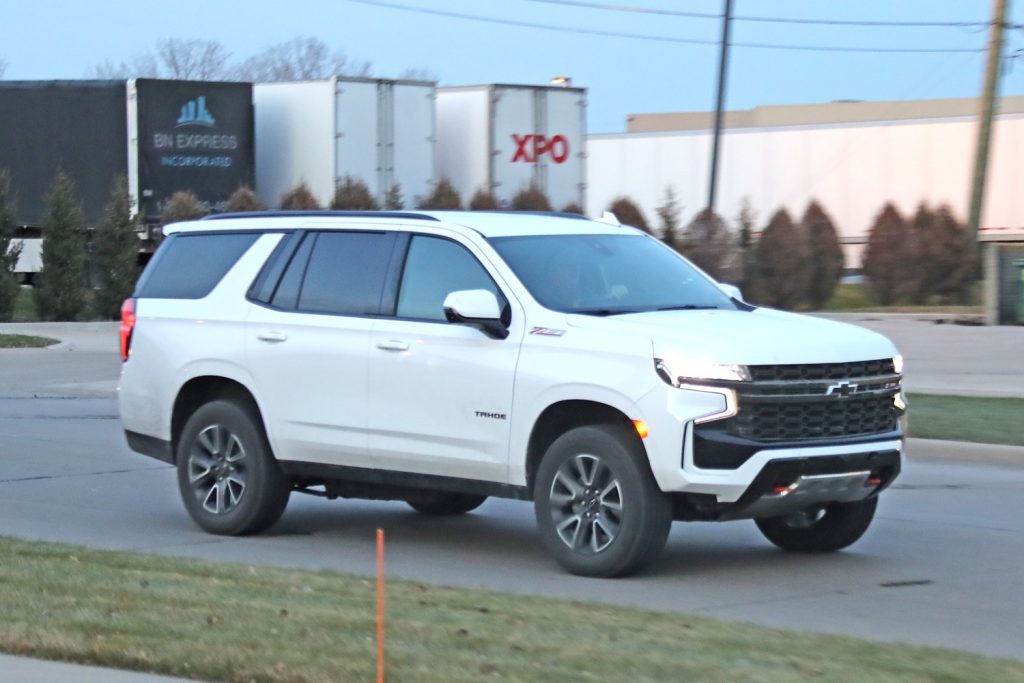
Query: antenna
{"x": 609, "y": 218}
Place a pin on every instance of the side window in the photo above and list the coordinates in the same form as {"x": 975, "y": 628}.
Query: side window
{"x": 346, "y": 272}
{"x": 435, "y": 267}
{"x": 263, "y": 286}
{"x": 189, "y": 265}
{"x": 287, "y": 293}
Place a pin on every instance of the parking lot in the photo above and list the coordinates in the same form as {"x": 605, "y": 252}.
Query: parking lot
{"x": 940, "y": 566}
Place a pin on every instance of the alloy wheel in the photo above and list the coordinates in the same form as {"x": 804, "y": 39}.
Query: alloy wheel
{"x": 586, "y": 504}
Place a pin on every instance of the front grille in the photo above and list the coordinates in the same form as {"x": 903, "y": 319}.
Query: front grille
{"x": 821, "y": 371}
{"x": 816, "y": 401}
{"x": 842, "y": 417}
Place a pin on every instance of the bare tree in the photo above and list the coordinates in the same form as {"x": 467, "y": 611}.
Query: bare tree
{"x": 197, "y": 60}
{"x": 299, "y": 59}
{"x": 419, "y": 74}
{"x": 140, "y": 66}
{"x": 188, "y": 59}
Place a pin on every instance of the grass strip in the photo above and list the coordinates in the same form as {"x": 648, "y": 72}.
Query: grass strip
{"x": 967, "y": 418}
{"x": 24, "y": 341}
{"x": 230, "y": 622}
{"x": 857, "y": 297}
{"x": 25, "y": 306}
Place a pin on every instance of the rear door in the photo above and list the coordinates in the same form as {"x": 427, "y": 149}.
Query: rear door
{"x": 308, "y": 338}
{"x": 441, "y": 393}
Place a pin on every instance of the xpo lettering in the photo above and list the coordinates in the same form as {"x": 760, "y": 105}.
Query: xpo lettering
{"x": 530, "y": 148}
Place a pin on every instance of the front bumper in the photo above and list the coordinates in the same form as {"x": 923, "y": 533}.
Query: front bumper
{"x": 790, "y": 485}
{"x": 672, "y": 416}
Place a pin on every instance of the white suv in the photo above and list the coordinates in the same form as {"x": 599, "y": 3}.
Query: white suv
{"x": 443, "y": 357}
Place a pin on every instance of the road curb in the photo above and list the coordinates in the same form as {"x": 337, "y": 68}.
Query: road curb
{"x": 937, "y": 450}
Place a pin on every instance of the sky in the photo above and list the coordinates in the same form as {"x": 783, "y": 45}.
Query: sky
{"x": 53, "y": 39}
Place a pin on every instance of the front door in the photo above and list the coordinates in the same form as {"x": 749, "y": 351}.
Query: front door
{"x": 441, "y": 393}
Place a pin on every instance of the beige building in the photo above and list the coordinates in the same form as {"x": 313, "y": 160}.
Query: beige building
{"x": 830, "y": 113}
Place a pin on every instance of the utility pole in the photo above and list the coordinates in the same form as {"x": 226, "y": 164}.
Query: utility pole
{"x": 988, "y": 102}
{"x": 723, "y": 64}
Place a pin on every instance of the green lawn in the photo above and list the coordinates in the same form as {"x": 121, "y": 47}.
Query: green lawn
{"x": 233, "y": 622}
{"x": 857, "y": 296}
{"x": 24, "y": 341}
{"x": 25, "y": 307}
{"x": 967, "y": 418}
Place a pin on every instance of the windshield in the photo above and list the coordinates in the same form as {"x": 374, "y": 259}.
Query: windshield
{"x": 607, "y": 274}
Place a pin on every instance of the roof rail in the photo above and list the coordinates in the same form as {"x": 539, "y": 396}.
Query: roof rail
{"x": 515, "y": 212}
{"x": 320, "y": 214}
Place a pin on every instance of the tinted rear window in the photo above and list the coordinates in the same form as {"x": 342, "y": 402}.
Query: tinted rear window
{"x": 189, "y": 266}
{"x": 346, "y": 273}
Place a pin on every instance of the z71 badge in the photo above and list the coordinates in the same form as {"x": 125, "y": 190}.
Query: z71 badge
{"x": 546, "y": 331}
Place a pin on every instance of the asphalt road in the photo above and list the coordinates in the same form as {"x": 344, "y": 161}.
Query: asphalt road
{"x": 941, "y": 565}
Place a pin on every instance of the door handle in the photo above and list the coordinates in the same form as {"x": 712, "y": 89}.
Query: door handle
{"x": 272, "y": 336}
{"x": 392, "y": 345}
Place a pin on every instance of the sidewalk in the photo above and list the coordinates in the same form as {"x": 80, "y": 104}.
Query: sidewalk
{"x": 26, "y": 670}
{"x": 95, "y": 336}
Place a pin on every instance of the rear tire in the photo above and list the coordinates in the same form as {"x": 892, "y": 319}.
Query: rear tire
{"x": 440, "y": 503}
{"x": 598, "y": 508}
{"x": 820, "y": 530}
{"x": 229, "y": 480}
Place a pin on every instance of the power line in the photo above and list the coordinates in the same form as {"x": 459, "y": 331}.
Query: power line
{"x": 772, "y": 20}
{"x": 656, "y": 38}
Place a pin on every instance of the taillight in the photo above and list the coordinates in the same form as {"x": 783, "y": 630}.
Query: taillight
{"x": 127, "y": 325}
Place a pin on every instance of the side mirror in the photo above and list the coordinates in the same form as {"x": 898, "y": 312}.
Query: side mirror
{"x": 476, "y": 308}
{"x": 731, "y": 290}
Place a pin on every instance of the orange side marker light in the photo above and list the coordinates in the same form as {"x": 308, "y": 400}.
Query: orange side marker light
{"x": 641, "y": 428}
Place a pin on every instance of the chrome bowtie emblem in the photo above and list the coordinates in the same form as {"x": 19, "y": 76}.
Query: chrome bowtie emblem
{"x": 843, "y": 389}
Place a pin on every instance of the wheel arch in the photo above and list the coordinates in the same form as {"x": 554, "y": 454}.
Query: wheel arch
{"x": 562, "y": 416}
{"x": 203, "y": 389}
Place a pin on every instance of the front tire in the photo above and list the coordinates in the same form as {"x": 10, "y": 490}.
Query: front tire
{"x": 821, "y": 529}
{"x": 598, "y": 508}
{"x": 228, "y": 478}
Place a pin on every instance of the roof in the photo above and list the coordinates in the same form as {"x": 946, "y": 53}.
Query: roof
{"x": 486, "y": 223}
{"x": 518, "y": 223}
{"x": 843, "y": 111}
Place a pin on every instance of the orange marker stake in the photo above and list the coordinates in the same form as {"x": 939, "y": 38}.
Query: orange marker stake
{"x": 380, "y": 606}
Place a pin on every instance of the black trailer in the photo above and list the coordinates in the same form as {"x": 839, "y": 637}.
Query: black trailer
{"x": 164, "y": 135}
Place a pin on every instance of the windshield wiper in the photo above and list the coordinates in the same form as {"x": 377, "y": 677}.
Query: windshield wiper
{"x": 602, "y": 312}
{"x": 686, "y": 307}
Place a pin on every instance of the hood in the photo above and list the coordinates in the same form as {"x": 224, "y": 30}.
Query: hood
{"x": 759, "y": 337}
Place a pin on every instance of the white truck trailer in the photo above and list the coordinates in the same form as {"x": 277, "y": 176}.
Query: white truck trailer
{"x": 319, "y": 132}
{"x": 507, "y": 137}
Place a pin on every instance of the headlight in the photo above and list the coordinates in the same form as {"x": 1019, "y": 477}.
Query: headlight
{"x": 677, "y": 371}
{"x": 897, "y": 363}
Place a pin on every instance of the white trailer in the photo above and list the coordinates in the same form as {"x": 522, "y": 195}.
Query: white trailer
{"x": 852, "y": 169}
{"x": 318, "y": 132}
{"x": 506, "y": 137}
